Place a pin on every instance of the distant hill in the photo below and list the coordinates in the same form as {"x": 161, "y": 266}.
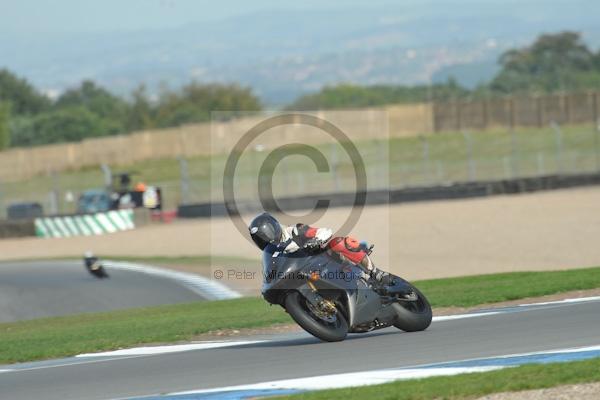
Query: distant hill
{"x": 283, "y": 54}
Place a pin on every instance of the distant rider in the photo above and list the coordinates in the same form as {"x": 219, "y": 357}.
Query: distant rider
{"x": 265, "y": 229}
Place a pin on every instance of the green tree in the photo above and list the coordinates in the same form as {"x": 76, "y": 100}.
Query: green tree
{"x": 141, "y": 112}
{"x": 63, "y": 125}
{"x": 356, "y": 96}
{"x": 553, "y": 62}
{"x": 195, "y": 103}
{"x": 25, "y": 99}
{"x": 112, "y": 109}
{"x": 4, "y": 125}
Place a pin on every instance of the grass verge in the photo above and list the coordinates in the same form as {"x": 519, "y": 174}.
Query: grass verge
{"x": 469, "y": 386}
{"x": 480, "y": 289}
{"x": 69, "y": 335}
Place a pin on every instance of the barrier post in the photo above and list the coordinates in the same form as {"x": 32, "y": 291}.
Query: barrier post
{"x": 597, "y": 144}
{"x": 440, "y": 172}
{"x": 514, "y": 157}
{"x": 596, "y": 121}
{"x": 539, "y": 111}
{"x": 426, "y": 158}
{"x": 184, "y": 179}
{"x": 2, "y": 207}
{"x": 107, "y": 175}
{"x": 54, "y": 194}
{"x": 540, "y": 164}
{"x": 334, "y": 168}
{"x": 507, "y": 167}
{"x": 558, "y": 147}
{"x": 471, "y": 173}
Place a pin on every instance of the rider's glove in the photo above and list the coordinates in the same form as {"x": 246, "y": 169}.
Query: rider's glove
{"x": 312, "y": 244}
{"x": 323, "y": 235}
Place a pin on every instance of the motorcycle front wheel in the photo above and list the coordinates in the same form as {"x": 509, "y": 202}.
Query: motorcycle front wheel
{"x": 413, "y": 316}
{"x": 331, "y": 329}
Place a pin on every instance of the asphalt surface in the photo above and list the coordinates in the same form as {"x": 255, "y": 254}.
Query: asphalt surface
{"x": 526, "y": 329}
{"x": 50, "y": 288}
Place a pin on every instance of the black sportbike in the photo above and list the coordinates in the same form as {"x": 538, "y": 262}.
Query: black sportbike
{"x": 95, "y": 267}
{"x": 329, "y": 297}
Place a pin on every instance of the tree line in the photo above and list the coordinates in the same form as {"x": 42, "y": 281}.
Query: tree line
{"x": 29, "y": 118}
{"x": 554, "y": 62}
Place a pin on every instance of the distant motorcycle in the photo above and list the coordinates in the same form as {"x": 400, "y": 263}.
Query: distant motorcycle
{"x": 94, "y": 266}
{"x": 329, "y": 297}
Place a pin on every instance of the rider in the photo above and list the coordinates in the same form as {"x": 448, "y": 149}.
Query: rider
{"x": 265, "y": 229}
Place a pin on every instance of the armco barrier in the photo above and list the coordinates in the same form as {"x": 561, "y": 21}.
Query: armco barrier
{"x": 84, "y": 225}
{"x": 453, "y": 191}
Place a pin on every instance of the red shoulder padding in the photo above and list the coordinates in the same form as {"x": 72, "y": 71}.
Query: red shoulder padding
{"x": 340, "y": 245}
{"x": 311, "y": 232}
{"x": 351, "y": 243}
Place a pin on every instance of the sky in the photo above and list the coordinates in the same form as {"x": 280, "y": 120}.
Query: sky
{"x": 34, "y": 16}
{"x": 279, "y": 48}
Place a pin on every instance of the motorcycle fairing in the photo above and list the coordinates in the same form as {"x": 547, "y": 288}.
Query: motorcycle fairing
{"x": 289, "y": 271}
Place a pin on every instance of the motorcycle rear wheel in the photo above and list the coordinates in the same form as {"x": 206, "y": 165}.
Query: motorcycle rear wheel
{"x": 413, "y": 316}
{"x": 297, "y": 306}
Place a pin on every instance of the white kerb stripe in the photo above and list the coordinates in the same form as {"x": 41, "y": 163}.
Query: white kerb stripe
{"x": 128, "y": 218}
{"x": 71, "y": 226}
{"x": 205, "y": 287}
{"x": 83, "y": 228}
{"x": 117, "y": 220}
{"x": 351, "y": 379}
{"x": 105, "y": 222}
{"x": 91, "y": 222}
{"x": 61, "y": 226}
{"x": 136, "y": 351}
{"x": 54, "y": 232}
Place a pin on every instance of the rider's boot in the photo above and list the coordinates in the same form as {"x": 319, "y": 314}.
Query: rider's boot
{"x": 387, "y": 285}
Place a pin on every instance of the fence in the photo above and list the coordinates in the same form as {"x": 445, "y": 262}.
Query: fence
{"x": 402, "y": 121}
{"x": 425, "y": 160}
{"x": 412, "y": 156}
{"x": 194, "y": 140}
{"x": 512, "y": 112}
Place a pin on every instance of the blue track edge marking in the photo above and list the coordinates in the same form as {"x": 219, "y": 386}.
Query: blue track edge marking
{"x": 543, "y": 358}
{"x": 507, "y": 361}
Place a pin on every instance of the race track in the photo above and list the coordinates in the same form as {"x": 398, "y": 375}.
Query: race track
{"x": 39, "y": 289}
{"x": 516, "y": 330}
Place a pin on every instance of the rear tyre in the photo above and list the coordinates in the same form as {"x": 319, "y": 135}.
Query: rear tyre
{"x": 413, "y": 316}
{"x": 333, "y": 330}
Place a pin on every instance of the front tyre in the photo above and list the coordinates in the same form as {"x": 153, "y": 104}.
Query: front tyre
{"x": 413, "y": 316}
{"x": 334, "y": 328}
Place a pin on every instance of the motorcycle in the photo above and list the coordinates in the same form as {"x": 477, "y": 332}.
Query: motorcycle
{"x": 330, "y": 297}
{"x": 94, "y": 267}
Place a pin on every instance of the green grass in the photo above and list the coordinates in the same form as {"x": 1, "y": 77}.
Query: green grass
{"x": 473, "y": 290}
{"x": 398, "y": 162}
{"x": 62, "y": 336}
{"x": 69, "y": 335}
{"x": 470, "y": 386}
